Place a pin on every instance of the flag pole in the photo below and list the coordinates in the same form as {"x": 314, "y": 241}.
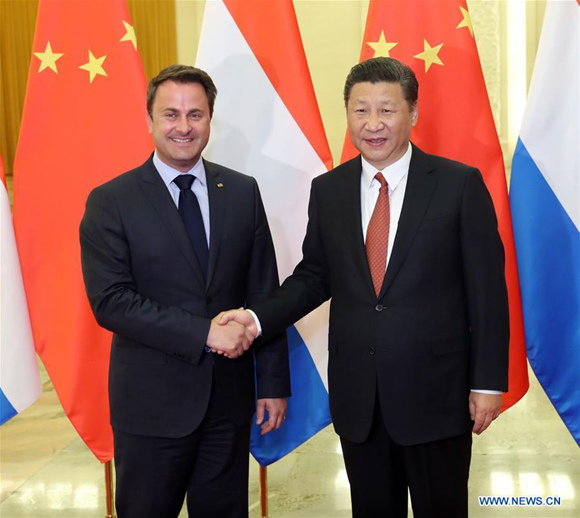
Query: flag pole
{"x": 109, "y": 490}
{"x": 264, "y": 492}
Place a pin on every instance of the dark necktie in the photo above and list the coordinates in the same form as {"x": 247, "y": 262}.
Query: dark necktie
{"x": 378, "y": 235}
{"x": 191, "y": 214}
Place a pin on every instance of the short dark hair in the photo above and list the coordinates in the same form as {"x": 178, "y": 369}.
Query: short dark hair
{"x": 183, "y": 74}
{"x": 387, "y": 70}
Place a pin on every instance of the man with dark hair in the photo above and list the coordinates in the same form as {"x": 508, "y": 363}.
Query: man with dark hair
{"x": 166, "y": 247}
{"x": 383, "y": 70}
{"x": 182, "y": 74}
{"x": 407, "y": 246}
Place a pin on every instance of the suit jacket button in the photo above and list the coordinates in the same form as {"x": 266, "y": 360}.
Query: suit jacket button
{"x": 379, "y": 307}
{"x": 208, "y": 300}
{"x": 371, "y": 350}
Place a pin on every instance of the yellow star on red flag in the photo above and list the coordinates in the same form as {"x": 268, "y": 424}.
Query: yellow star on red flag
{"x": 130, "y": 34}
{"x": 382, "y": 47}
{"x": 466, "y": 22}
{"x": 48, "y": 59}
{"x": 94, "y": 66}
{"x": 430, "y": 55}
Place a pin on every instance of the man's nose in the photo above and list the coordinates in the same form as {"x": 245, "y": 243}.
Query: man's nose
{"x": 183, "y": 125}
{"x": 374, "y": 122}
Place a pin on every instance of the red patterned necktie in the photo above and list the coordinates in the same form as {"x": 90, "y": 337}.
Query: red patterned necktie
{"x": 378, "y": 235}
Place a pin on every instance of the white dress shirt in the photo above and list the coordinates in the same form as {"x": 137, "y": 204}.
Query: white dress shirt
{"x": 199, "y": 186}
{"x": 396, "y": 176}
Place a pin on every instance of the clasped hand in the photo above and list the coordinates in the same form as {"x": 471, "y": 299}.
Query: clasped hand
{"x": 232, "y": 333}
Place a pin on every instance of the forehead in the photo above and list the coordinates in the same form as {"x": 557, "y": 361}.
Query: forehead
{"x": 377, "y": 92}
{"x": 172, "y": 94}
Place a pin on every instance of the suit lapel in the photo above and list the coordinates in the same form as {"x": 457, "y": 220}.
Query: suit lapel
{"x": 157, "y": 193}
{"x": 353, "y": 218}
{"x": 420, "y": 187}
{"x": 217, "y": 204}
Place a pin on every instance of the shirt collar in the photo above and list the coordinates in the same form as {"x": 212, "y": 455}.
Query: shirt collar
{"x": 168, "y": 174}
{"x": 393, "y": 173}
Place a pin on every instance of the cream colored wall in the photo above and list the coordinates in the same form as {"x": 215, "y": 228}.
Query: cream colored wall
{"x": 534, "y": 17}
{"x": 188, "y": 17}
{"x": 489, "y": 26}
{"x": 332, "y": 32}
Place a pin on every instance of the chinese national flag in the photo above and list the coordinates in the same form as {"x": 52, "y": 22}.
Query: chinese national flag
{"x": 435, "y": 38}
{"x": 84, "y": 122}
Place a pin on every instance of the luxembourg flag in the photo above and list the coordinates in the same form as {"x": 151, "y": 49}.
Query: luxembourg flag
{"x": 19, "y": 380}
{"x": 267, "y": 124}
{"x": 545, "y": 190}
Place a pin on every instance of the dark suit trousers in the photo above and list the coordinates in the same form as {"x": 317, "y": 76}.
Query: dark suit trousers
{"x": 210, "y": 465}
{"x": 380, "y": 471}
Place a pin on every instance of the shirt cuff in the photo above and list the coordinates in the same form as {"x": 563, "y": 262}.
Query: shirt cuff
{"x": 484, "y": 391}
{"x": 258, "y": 325}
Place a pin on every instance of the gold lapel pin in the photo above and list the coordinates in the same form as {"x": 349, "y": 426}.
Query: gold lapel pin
{"x": 220, "y": 185}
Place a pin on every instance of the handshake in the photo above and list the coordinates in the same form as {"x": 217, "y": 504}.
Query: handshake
{"x": 232, "y": 333}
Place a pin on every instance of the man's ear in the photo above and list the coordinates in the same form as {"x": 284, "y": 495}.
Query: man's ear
{"x": 149, "y": 123}
{"x": 415, "y": 113}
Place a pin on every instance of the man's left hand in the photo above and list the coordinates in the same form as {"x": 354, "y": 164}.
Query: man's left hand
{"x": 276, "y": 408}
{"x": 483, "y": 408}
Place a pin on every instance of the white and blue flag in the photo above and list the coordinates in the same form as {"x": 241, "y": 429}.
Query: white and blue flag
{"x": 19, "y": 380}
{"x": 544, "y": 198}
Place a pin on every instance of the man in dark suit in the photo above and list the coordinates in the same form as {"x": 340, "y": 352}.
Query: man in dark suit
{"x": 406, "y": 245}
{"x": 166, "y": 247}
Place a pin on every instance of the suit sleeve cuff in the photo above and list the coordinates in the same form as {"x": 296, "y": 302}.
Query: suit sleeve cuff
{"x": 258, "y": 325}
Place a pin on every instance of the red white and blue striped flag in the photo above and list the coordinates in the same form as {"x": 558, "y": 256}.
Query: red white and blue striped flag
{"x": 545, "y": 202}
{"x": 267, "y": 124}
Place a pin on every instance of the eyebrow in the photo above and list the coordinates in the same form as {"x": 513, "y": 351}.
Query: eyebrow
{"x": 176, "y": 110}
{"x": 366, "y": 101}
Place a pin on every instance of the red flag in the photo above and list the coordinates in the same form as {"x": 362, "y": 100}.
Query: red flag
{"x": 84, "y": 122}
{"x": 435, "y": 38}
